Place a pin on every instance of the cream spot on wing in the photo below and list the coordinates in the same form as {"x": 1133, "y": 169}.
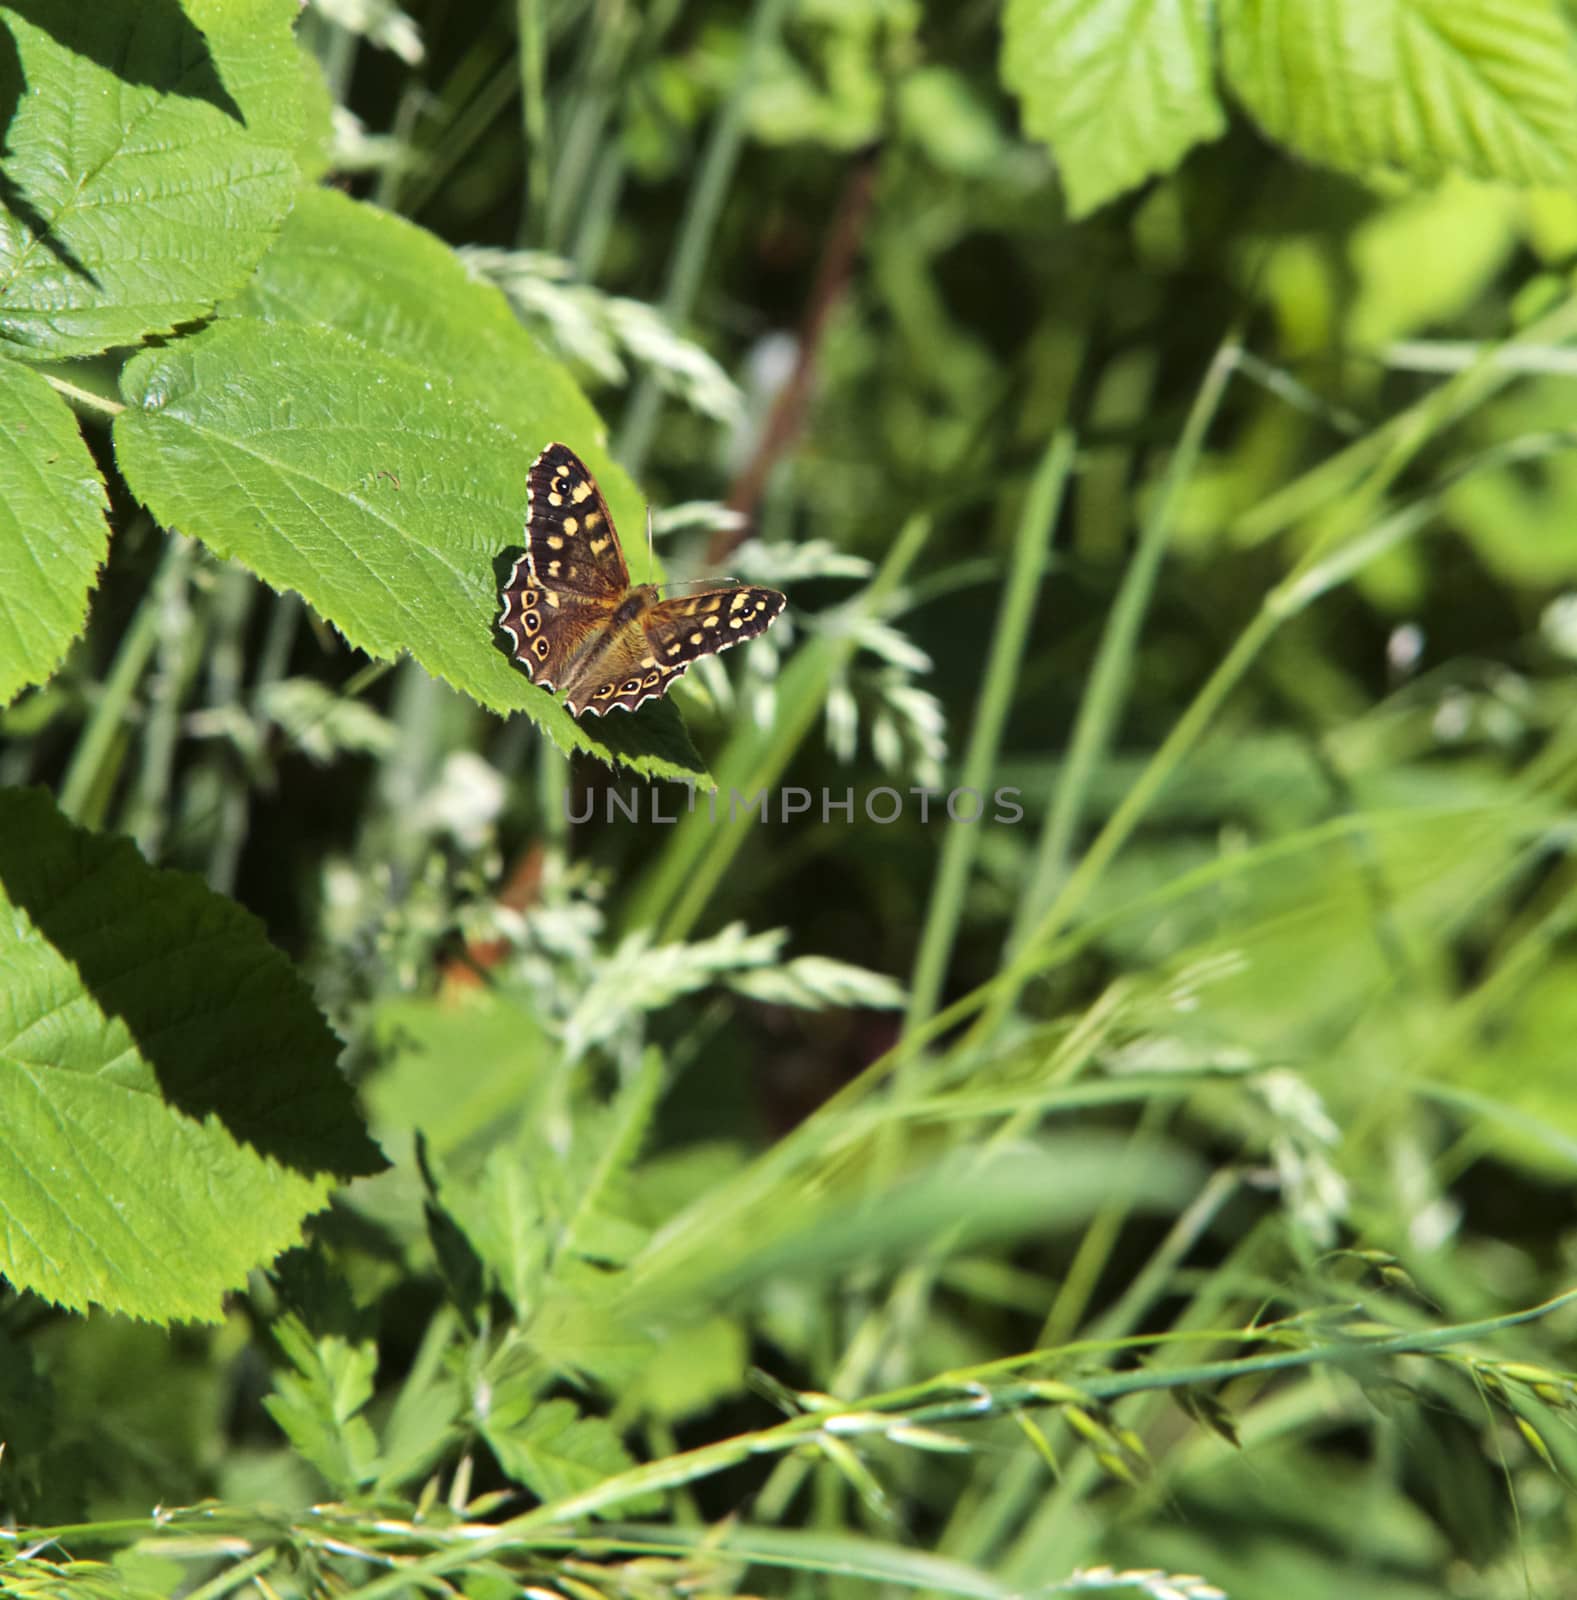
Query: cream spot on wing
{"x": 555, "y": 499}
{"x": 711, "y": 622}
{"x": 597, "y": 545}
{"x": 552, "y": 600}
{"x": 695, "y": 638}
{"x": 571, "y": 526}
{"x": 554, "y": 542}
{"x": 581, "y": 492}
{"x": 735, "y": 622}
{"x": 673, "y": 649}
{"x": 648, "y": 661}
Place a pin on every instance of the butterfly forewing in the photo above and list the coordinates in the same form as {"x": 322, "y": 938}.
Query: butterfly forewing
{"x": 571, "y": 546}
{"x": 576, "y": 624}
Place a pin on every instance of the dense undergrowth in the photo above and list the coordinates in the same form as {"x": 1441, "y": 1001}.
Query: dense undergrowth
{"x": 1053, "y": 1069}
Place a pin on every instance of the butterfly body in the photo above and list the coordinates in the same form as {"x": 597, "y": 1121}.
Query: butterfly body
{"x": 578, "y": 625}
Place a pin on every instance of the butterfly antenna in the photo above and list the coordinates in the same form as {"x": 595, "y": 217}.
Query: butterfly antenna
{"x": 651, "y": 543}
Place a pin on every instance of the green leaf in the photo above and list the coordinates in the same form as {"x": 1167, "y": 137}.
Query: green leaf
{"x": 52, "y": 529}
{"x": 404, "y": 291}
{"x": 369, "y": 484}
{"x": 172, "y": 1104}
{"x": 691, "y": 1370}
{"x": 1413, "y": 87}
{"x": 552, "y": 1449}
{"x": 150, "y": 157}
{"x": 1120, "y": 89}
{"x": 318, "y": 1405}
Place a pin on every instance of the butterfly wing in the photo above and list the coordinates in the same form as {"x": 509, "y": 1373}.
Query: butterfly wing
{"x": 565, "y": 589}
{"x": 681, "y": 631}
{"x": 623, "y": 671}
{"x": 571, "y": 545}
{"x": 650, "y": 652}
{"x": 549, "y": 631}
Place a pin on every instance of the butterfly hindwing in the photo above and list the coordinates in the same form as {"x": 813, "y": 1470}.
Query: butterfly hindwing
{"x": 548, "y": 630}
{"x": 571, "y": 545}
{"x": 623, "y": 672}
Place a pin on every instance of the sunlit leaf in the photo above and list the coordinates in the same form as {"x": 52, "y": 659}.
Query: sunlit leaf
{"x": 1417, "y": 87}
{"x": 52, "y": 529}
{"x": 150, "y": 155}
{"x": 173, "y": 1107}
{"x": 1120, "y": 89}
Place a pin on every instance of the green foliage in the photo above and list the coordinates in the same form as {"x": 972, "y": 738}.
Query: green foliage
{"x": 1413, "y": 89}
{"x": 138, "y": 120}
{"x": 170, "y": 1062}
{"x": 759, "y": 1193}
{"x": 52, "y": 532}
{"x": 1120, "y": 90}
{"x": 1418, "y": 88}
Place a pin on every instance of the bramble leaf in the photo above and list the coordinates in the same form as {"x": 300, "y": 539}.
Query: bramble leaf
{"x": 150, "y": 155}
{"x": 173, "y": 1107}
{"x": 52, "y": 529}
{"x": 371, "y": 485}
{"x": 1415, "y": 87}
{"x": 1120, "y": 89}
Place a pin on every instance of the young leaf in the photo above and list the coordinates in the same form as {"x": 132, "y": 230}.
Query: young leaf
{"x": 1420, "y": 87}
{"x": 172, "y": 1104}
{"x": 373, "y": 487}
{"x": 1120, "y": 89}
{"x": 52, "y": 529}
{"x": 318, "y": 1405}
{"x": 552, "y": 1449}
{"x": 150, "y": 156}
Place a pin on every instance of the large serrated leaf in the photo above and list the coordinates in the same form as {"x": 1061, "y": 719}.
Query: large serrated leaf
{"x": 368, "y": 484}
{"x": 150, "y": 154}
{"x": 1415, "y": 87}
{"x": 172, "y": 1104}
{"x": 1120, "y": 89}
{"x": 403, "y": 290}
{"x": 52, "y": 529}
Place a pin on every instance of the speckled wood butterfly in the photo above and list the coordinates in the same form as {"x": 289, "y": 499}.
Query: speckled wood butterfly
{"x": 578, "y": 624}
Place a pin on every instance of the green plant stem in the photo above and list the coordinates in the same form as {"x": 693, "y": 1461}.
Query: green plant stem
{"x": 957, "y": 1397}
{"x": 478, "y": 115}
{"x": 703, "y": 207}
{"x": 1386, "y": 450}
{"x": 178, "y": 654}
{"x": 233, "y": 606}
{"x": 84, "y": 399}
{"x": 1019, "y": 595}
{"x": 534, "y": 119}
{"x": 84, "y": 790}
{"x": 698, "y": 854}
{"x": 1101, "y": 705}
{"x": 981, "y": 1523}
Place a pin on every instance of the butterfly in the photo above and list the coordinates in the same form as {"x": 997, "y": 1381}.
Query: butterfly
{"x": 577, "y": 623}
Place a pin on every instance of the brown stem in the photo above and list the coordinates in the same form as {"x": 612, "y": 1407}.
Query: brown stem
{"x": 787, "y": 416}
